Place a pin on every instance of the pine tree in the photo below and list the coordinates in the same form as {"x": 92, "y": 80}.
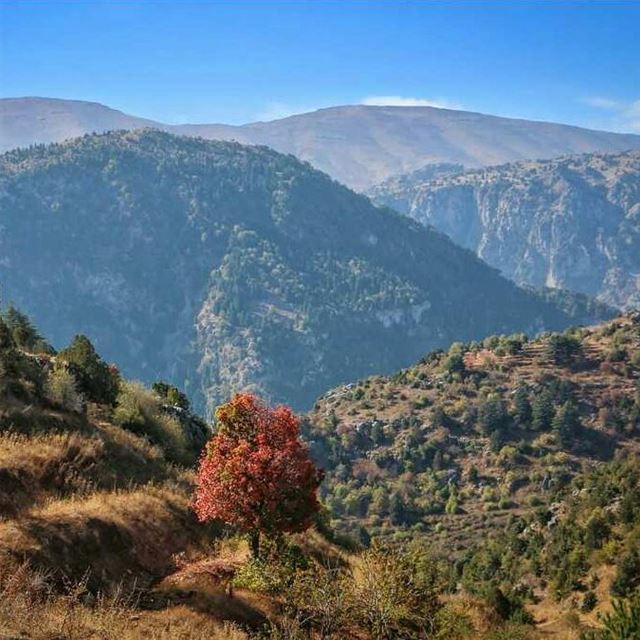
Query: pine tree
{"x": 566, "y": 422}
{"x": 522, "y": 406}
{"x": 542, "y": 411}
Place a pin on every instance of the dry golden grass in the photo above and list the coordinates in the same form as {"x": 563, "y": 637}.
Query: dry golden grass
{"x": 28, "y": 609}
{"x": 114, "y": 535}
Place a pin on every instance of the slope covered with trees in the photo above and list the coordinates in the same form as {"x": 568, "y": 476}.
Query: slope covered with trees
{"x": 572, "y": 223}
{"x": 461, "y": 444}
{"x": 99, "y": 538}
{"x": 222, "y": 267}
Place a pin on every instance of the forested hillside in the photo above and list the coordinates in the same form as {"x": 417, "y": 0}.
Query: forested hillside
{"x": 486, "y": 438}
{"x": 222, "y": 267}
{"x": 572, "y": 223}
{"x": 524, "y": 453}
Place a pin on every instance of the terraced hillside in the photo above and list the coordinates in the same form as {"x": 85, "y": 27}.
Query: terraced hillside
{"x": 458, "y": 445}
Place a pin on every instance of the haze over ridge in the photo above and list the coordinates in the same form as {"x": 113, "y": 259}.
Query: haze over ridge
{"x": 359, "y": 145}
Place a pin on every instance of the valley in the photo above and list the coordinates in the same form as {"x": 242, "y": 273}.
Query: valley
{"x": 329, "y": 331}
{"x": 222, "y": 267}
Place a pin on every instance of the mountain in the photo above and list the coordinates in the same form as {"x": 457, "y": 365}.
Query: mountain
{"x": 28, "y": 121}
{"x": 572, "y": 222}
{"x": 357, "y": 145}
{"x": 517, "y": 460}
{"x": 220, "y": 267}
{"x": 500, "y": 424}
{"x": 99, "y": 538}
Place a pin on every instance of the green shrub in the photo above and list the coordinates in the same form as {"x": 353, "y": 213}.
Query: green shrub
{"x": 563, "y": 348}
{"x": 623, "y": 623}
{"x": 139, "y": 411}
{"x": 627, "y": 578}
{"x": 395, "y": 594}
{"x": 171, "y": 394}
{"x": 61, "y": 388}
{"x": 258, "y": 576}
{"x": 96, "y": 380}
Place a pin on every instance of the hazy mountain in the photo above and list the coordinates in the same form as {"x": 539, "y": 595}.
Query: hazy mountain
{"x": 27, "y": 121}
{"x": 357, "y": 145}
{"x": 572, "y": 222}
{"x": 220, "y": 267}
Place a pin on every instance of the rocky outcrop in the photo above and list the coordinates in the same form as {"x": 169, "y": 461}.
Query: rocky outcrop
{"x": 571, "y": 223}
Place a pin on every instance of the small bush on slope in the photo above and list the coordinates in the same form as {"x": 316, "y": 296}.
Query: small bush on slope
{"x": 96, "y": 380}
{"x": 139, "y": 411}
{"x": 61, "y": 388}
{"x": 623, "y": 623}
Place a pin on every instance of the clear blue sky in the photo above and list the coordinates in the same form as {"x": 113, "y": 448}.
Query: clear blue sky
{"x": 242, "y": 61}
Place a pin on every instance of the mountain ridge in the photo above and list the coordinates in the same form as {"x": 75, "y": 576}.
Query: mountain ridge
{"x": 359, "y": 145}
{"x": 570, "y": 222}
{"x": 222, "y": 267}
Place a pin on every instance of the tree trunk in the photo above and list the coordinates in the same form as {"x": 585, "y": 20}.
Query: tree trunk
{"x": 254, "y": 544}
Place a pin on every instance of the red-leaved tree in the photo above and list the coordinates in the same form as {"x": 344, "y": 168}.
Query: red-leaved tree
{"x": 255, "y": 473}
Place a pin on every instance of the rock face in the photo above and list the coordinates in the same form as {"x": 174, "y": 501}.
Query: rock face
{"x": 572, "y": 223}
{"x": 358, "y": 145}
{"x": 221, "y": 267}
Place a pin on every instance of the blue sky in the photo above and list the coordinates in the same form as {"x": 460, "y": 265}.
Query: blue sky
{"x": 242, "y": 61}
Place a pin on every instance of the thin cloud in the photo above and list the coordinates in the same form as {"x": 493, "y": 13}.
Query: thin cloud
{"x": 407, "y": 101}
{"x": 624, "y": 116}
{"x": 602, "y": 103}
{"x": 278, "y": 110}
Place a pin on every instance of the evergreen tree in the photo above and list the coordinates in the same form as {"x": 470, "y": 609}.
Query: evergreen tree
{"x": 171, "y": 394}
{"x": 522, "y": 406}
{"x": 397, "y": 510}
{"x": 492, "y": 415}
{"x": 566, "y": 422}
{"x": 96, "y": 380}
{"x": 542, "y": 411}
{"x": 23, "y": 332}
{"x": 562, "y": 348}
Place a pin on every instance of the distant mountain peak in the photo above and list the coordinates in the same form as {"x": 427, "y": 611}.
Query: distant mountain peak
{"x": 358, "y": 145}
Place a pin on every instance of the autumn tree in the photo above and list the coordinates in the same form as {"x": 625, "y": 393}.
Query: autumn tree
{"x": 255, "y": 473}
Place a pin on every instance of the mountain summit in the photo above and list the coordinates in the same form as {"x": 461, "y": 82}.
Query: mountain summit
{"x": 357, "y": 145}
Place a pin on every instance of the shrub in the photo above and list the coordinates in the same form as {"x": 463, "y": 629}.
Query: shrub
{"x": 139, "y": 411}
{"x": 628, "y": 575}
{"x": 259, "y": 576}
{"x": 96, "y": 380}
{"x": 61, "y": 388}
{"x": 321, "y": 596}
{"x": 171, "y": 394}
{"x": 562, "y": 348}
{"x": 623, "y": 623}
{"x": 395, "y": 595}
